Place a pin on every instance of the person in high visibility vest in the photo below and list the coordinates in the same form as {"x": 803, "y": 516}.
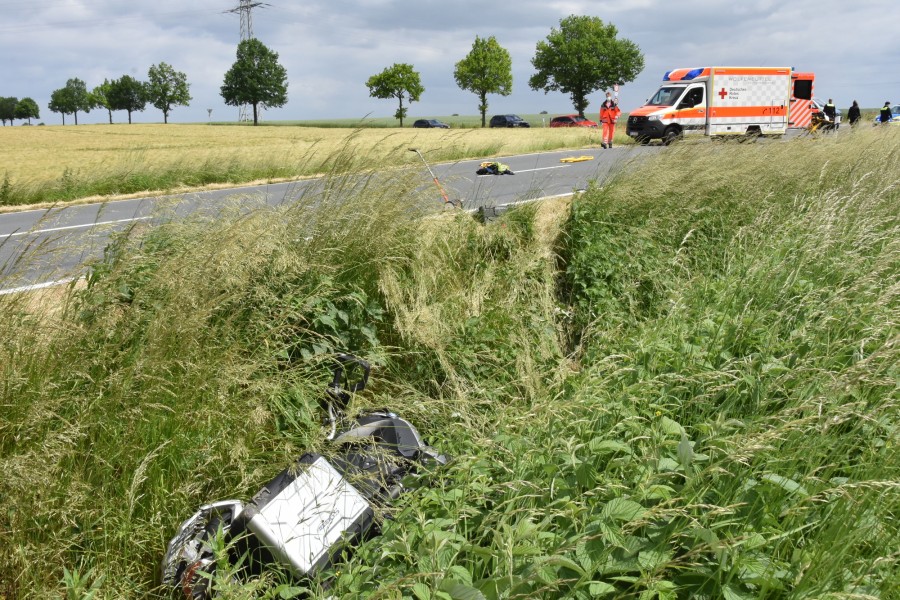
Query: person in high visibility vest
{"x": 885, "y": 113}
{"x": 609, "y": 114}
{"x": 830, "y": 110}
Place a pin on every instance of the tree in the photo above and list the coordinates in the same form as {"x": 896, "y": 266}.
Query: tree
{"x": 255, "y": 78}
{"x": 28, "y": 109}
{"x": 487, "y": 69}
{"x": 79, "y": 97}
{"x": 395, "y": 82}
{"x": 100, "y": 95}
{"x": 129, "y": 94}
{"x": 8, "y": 109}
{"x": 167, "y": 88}
{"x": 71, "y": 99}
{"x": 584, "y": 56}
{"x": 59, "y": 103}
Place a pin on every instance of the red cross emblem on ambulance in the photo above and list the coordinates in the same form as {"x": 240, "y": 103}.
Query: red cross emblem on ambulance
{"x": 723, "y": 93}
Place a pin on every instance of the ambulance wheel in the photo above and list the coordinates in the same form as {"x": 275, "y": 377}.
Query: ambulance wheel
{"x": 671, "y": 134}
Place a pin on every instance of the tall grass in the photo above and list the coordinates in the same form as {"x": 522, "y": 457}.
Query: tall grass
{"x": 681, "y": 387}
{"x": 748, "y": 326}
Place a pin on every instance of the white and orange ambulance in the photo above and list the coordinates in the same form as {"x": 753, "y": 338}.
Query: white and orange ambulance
{"x": 721, "y": 101}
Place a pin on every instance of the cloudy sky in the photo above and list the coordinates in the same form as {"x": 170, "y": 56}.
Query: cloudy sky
{"x": 330, "y": 48}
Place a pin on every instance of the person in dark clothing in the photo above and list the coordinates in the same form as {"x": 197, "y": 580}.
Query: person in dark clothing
{"x": 885, "y": 113}
{"x": 854, "y": 113}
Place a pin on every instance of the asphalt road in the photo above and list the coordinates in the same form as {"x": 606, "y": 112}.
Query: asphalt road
{"x": 39, "y": 248}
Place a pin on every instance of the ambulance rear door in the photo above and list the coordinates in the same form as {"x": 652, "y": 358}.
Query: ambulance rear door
{"x": 802, "y": 107}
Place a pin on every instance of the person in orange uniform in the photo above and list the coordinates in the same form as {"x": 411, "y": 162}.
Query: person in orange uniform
{"x": 609, "y": 114}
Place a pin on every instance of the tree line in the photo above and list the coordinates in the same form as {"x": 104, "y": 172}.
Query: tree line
{"x": 580, "y": 57}
{"x": 165, "y": 89}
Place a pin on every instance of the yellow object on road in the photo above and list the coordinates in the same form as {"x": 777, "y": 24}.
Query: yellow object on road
{"x": 572, "y": 159}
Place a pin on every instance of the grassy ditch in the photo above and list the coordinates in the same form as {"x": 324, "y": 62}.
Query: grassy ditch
{"x": 680, "y": 390}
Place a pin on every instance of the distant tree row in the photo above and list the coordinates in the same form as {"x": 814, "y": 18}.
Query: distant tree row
{"x": 13, "y": 108}
{"x": 579, "y": 58}
{"x": 165, "y": 89}
{"x": 256, "y": 78}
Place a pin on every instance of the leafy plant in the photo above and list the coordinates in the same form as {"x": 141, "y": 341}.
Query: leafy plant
{"x": 80, "y": 586}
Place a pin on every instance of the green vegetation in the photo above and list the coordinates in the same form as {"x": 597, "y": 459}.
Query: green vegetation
{"x": 486, "y": 69}
{"x": 685, "y": 385}
{"x": 128, "y": 94}
{"x": 27, "y": 109}
{"x": 71, "y": 99}
{"x": 255, "y": 78}
{"x": 167, "y": 88}
{"x": 399, "y": 81}
{"x": 584, "y": 56}
{"x": 8, "y": 107}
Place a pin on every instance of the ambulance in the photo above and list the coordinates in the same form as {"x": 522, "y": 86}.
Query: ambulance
{"x": 723, "y": 101}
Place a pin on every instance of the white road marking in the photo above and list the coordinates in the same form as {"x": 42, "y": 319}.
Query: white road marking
{"x": 52, "y": 229}
{"x": 530, "y": 170}
{"x": 37, "y": 286}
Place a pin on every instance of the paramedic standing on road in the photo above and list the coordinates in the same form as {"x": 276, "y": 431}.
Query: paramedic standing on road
{"x": 609, "y": 114}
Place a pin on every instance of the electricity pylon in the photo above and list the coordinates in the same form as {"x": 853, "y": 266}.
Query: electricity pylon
{"x": 244, "y": 10}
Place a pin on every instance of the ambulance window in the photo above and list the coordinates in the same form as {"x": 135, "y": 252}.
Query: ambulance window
{"x": 692, "y": 98}
{"x": 665, "y": 96}
{"x": 803, "y": 89}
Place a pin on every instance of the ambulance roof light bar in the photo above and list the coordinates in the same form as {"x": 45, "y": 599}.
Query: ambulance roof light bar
{"x": 693, "y": 73}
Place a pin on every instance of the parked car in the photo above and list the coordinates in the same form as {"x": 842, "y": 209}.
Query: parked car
{"x": 509, "y": 121}
{"x": 571, "y": 121}
{"x": 895, "y": 114}
{"x": 431, "y": 123}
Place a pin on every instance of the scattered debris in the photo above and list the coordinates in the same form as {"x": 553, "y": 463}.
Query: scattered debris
{"x": 314, "y": 509}
{"x": 494, "y": 168}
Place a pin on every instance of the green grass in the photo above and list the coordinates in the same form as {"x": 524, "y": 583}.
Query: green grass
{"x": 686, "y": 388}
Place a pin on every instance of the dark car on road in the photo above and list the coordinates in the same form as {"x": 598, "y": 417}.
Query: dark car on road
{"x": 431, "y": 123}
{"x": 509, "y": 121}
{"x": 571, "y": 121}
